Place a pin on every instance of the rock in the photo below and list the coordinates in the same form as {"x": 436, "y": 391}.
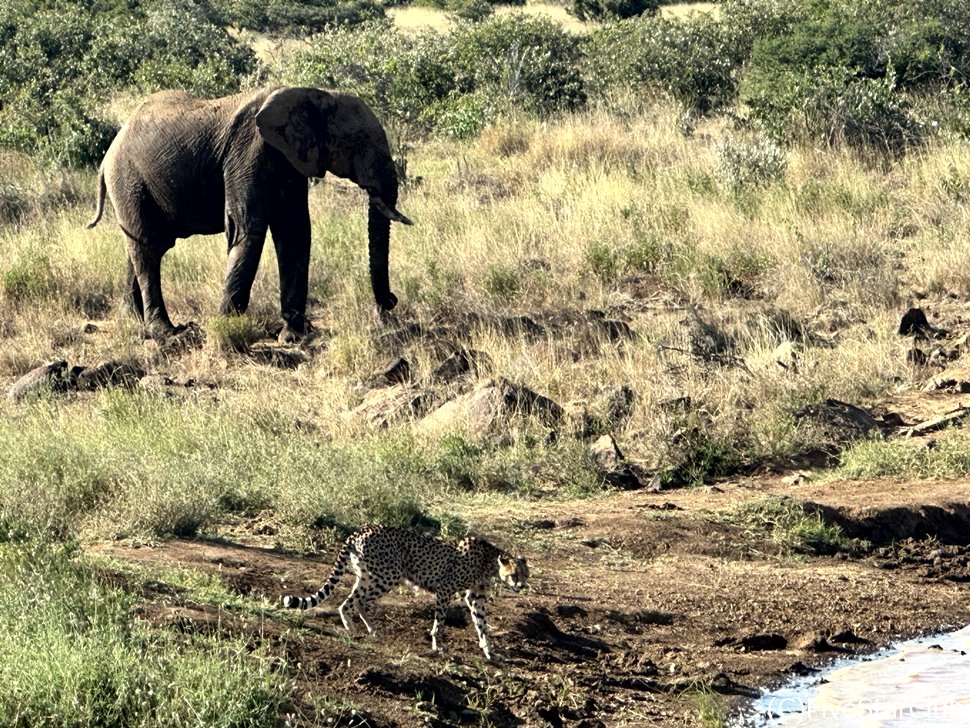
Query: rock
{"x": 460, "y": 363}
{"x": 842, "y": 422}
{"x": 606, "y": 453}
{"x": 52, "y": 377}
{"x": 762, "y": 642}
{"x": 110, "y": 374}
{"x": 914, "y": 323}
{"x": 283, "y": 357}
{"x": 848, "y": 637}
{"x": 916, "y": 357}
{"x": 618, "y": 405}
{"x": 786, "y": 356}
{"x": 489, "y": 403}
{"x": 938, "y": 423}
{"x": 624, "y": 478}
{"x": 381, "y": 406}
{"x": 797, "y": 478}
{"x": 813, "y": 641}
{"x": 613, "y": 329}
{"x": 520, "y": 326}
{"x": 397, "y": 371}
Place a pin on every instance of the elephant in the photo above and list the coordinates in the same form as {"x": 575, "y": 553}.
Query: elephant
{"x": 241, "y": 164}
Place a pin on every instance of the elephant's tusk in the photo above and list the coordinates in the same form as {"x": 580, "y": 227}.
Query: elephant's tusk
{"x": 389, "y": 213}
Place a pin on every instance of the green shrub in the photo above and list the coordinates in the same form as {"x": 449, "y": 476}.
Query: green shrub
{"x": 297, "y": 16}
{"x": 71, "y": 655}
{"x": 30, "y": 277}
{"x": 849, "y": 72}
{"x": 750, "y": 163}
{"x": 473, "y": 10}
{"x": 455, "y": 83}
{"x": 401, "y": 76}
{"x": 61, "y": 59}
{"x": 612, "y": 9}
{"x": 501, "y": 282}
{"x": 235, "y": 333}
{"x": 693, "y": 60}
{"x": 530, "y": 63}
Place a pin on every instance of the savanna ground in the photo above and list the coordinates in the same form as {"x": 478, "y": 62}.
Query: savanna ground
{"x": 703, "y": 298}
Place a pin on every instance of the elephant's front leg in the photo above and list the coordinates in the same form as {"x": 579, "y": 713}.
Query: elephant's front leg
{"x": 245, "y": 249}
{"x": 291, "y": 237}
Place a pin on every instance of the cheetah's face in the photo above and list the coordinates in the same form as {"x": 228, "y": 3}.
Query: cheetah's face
{"x": 513, "y": 572}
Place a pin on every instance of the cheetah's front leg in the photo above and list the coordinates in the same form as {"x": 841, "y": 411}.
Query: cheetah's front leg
{"x": 476, "y": 605}
{"x": 441, "y": 601}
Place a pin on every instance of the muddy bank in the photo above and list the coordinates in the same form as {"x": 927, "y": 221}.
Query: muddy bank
{"x": 640, "y": 604}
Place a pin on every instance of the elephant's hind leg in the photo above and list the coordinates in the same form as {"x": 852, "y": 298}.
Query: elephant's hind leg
{"x": 133, "y": 298}
{"x": 145, "y": 259}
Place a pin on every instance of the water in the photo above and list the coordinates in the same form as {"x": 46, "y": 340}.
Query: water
{"x": 906, "y": 686}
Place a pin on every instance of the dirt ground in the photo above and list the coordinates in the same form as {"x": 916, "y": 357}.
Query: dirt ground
{"x": 641, "y": 607}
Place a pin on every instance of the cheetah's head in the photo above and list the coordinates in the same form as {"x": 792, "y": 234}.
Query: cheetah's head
{"x": 513, "y": 572}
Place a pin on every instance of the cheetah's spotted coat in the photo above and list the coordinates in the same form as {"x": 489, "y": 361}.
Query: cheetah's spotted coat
{"x": 384, "y": 556}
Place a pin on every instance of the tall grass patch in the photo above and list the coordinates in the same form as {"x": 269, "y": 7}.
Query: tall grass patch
{"x": 948, "y": 457}
{"x": 70, "y": 655}
{"x": 148, "y": 465}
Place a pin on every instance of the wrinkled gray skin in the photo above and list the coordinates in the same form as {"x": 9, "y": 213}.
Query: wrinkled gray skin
{"x": 183, "y": 166}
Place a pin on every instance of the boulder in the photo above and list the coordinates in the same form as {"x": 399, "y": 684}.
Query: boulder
{"x": 381, "y": 406}
{"x": 460, "y": 363}
{"x": 842, "y": 422}
{"x": 52, "y": 377}
{"x": 491, "y": 402}
{"x": 606, "y": 453}
{"x": 110, "y": 374}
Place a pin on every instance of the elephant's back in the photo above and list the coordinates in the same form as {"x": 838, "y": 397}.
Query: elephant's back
{"x": 163, "y": 168}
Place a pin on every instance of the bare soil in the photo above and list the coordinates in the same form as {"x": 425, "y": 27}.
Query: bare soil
{"x": 637, "y": 601}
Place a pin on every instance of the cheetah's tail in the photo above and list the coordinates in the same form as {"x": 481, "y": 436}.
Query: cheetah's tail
{"x": 339, "y": 567}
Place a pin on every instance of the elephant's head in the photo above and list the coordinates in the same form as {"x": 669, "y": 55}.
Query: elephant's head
{"x": 320, "y": 132}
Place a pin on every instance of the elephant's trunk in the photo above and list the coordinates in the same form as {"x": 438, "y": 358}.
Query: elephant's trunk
{"x": 379, "y": 237}
{"x": 380, "y": 212}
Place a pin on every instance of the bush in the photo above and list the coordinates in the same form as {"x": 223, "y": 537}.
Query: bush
{"x": 846, "y": 72}
{"x": 530, "y": 63}
{"x": 70, "y": 654}
{"x": 750, "y": 163}
{"x": 400, "y": 76}
{"x": 299, "y": 16}
{"x": 692, "y": 60}
{"x": 612, "y": 9}
{"x": 456, "y": 83}
{"x": 60, "y": 60}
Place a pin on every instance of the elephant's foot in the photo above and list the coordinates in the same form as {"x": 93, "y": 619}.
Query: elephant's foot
{"x": 175, "y": 339}
{"x": 293, "y": 334}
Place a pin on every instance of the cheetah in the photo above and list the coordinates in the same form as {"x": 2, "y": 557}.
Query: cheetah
{"x": 384, "y": 556}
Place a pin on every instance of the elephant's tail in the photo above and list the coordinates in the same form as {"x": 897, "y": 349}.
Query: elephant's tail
{"x": 102, "y": 191}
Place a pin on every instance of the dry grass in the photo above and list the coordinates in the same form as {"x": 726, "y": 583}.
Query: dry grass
{"x": 593, "y": 212}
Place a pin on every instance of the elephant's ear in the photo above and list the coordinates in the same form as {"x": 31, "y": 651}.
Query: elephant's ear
{"x": 294, "y": 120}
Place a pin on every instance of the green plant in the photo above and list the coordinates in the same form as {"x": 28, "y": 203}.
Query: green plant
{"x": 473, "y": 10}
{"x": 30, "y": 277}
{"x": 501, "y": 282}
{"x": 70, "y": 654}
{"x": 750, "y": 163}
{"x": 612, "y": 9}
{"x": 603, "y": 260}
{"x": 62, "y": 58}
{"x": 846, "y": 72}
{"x": 692, "y": 60}
{"x": 529, "y": 62}
{"x": 797, "y": 527}
{"x": 235, "y": 333}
